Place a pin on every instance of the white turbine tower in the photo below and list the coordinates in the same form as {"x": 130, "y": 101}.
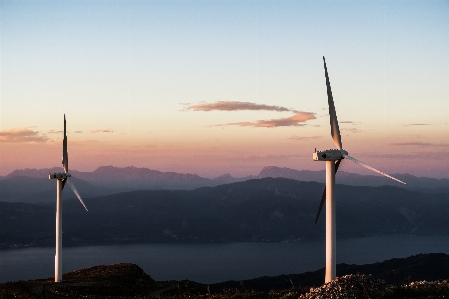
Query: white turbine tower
{"x": 61, "y": 179}
{"x": 333, "y": 159}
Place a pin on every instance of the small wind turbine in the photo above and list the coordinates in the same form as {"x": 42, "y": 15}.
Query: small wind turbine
{"x": 333, "y": 159}
{"x": 61, "y": 179}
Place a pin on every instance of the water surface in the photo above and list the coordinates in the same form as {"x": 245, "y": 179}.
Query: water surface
{"x": 210, "y": 263}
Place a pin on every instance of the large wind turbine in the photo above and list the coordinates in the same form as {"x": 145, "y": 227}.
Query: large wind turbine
{"x": 61, "y": 179}
{"x": 333, "y": 159}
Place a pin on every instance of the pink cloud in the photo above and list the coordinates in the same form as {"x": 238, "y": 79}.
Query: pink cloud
{"x": 425, "y": 144}
{"x": 259, "y": 157}
{"x": 305, "y": 137}
{"x": 235, "y": 106}
{"x": 291, "y": 121}
{"x": 54, "y": 132}
{"x": 102, "y": 131}
{"x": 353, "y": 130}
{"x": 22, "y": 135}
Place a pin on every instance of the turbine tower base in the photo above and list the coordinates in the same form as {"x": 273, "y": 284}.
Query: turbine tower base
{"x": 331, "y": 251}
{"x": 58, "y": 251}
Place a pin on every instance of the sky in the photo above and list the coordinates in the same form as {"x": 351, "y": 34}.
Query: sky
{"x": 215, "y": 87}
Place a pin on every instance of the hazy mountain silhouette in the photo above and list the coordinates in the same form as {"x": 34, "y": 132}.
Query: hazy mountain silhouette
{"x": 43, "y": 190}
{"x": 264, "y": 210}
{"x": 413, "y": 183}
{"x": 32, "y": 185}
{"x": 430, "y": 267}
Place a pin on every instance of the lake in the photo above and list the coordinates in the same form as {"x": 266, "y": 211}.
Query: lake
{"x": 211, "y": 263}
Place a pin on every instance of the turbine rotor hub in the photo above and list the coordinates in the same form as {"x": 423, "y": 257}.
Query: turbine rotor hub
{"x": 329, "y": 155}
{"x": 59, "y": 176}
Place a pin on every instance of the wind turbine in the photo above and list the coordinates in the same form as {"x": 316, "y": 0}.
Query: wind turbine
{"x": 61, "y": 179}
{"x": 333, "y": 158}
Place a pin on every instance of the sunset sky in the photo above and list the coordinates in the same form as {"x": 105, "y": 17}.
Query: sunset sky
{"x": 215, "y": 87}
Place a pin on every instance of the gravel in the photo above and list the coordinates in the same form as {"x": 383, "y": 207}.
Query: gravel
{"x": 358, "y": 286}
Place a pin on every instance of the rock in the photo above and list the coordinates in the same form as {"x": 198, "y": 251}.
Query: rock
{"x": 358, "y": 286}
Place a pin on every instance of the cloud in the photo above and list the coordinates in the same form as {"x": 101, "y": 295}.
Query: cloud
{"x": 425, "y": 144}
{"x": 78, "y": 132}
{"x": 417, "y": 125}
{"x": 87, "y": 141}
{"x": 102, "y": 131}
{"x": 291, "y": 121}
{"x": 352, "y": 130}
{"x": 305, "y": 138}
{"x": 22, "y": 135}
{"x": 348, "y": 122}
{"x": 243, "y": 157}
{"x": 235, "y": 106}
{"x": 54, "y": 132}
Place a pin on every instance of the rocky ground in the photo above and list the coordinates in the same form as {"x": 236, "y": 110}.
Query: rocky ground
{"x": 112, "y": 281}
{"x": 130, "y": 281}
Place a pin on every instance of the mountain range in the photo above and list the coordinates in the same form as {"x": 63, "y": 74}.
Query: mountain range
{"x": 420, "y": 267}
{"x": 33, "y": 186}
{"x": 261, "y": 210}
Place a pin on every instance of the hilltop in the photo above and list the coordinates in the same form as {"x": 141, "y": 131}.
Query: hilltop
{"x": 106, "y": 281}
{"x": 392, "y": 278}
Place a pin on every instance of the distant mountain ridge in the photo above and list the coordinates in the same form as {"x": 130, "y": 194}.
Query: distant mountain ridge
{"x": 144, "y": 178}
{"x": 36, "y": 173}
{"x": 32, "y": 185}
{"x": 102, "y": 181}
{"x": 107, "y": 173}
{"x": 257, "y": 210}
{"x": 424, "y": 184}
{"x": 430, "y": 267}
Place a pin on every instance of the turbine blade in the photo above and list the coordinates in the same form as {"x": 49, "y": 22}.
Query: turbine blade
{"x": 335, "y": 130}
{"x": 65, "y": 154}
{"x": 372, "y": 168}
{"x": 337, "y": 164}
{"x": 323, "y": 197}
{"x": 76, "y": 193}
{"x": 63, "y": 183}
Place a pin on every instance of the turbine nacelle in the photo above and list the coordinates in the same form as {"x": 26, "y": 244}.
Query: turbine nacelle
{"x": 59, "y": 176}
{"x": 329, "y": 155}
